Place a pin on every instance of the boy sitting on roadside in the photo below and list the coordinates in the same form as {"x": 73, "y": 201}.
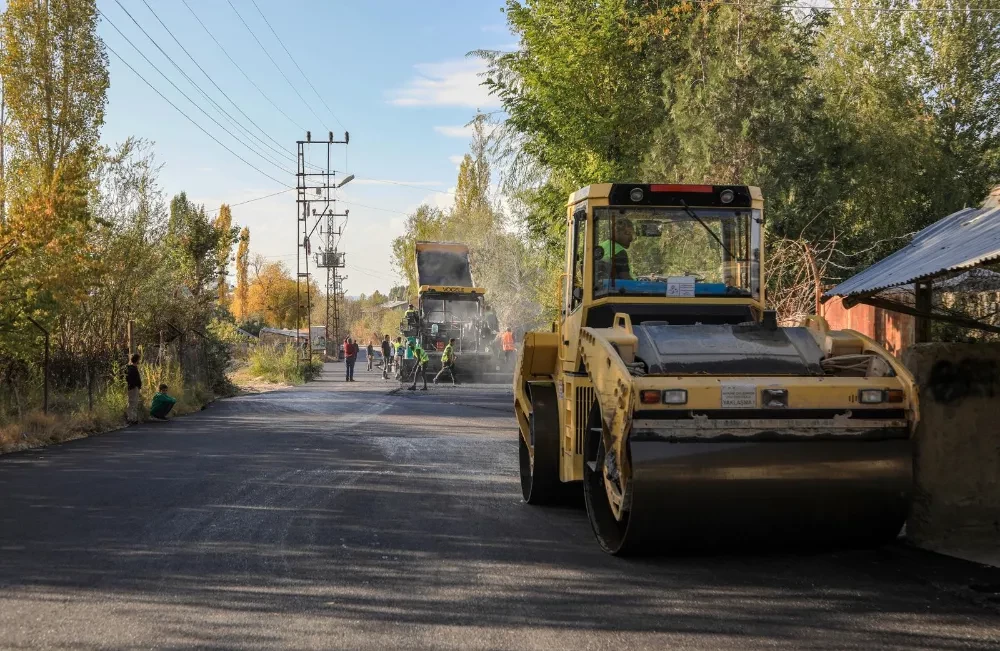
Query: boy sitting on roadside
{"x": 162, "y": 404}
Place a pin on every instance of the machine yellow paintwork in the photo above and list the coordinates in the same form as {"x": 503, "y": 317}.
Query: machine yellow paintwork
{"x": 588, "y": 365}
{"x": 450, "y": 289}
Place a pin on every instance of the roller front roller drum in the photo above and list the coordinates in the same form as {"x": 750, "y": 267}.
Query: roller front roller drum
{"x": 695, "y": 497}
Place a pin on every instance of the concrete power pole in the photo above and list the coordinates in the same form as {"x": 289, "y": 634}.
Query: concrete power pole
{"x": 316, "y": 203}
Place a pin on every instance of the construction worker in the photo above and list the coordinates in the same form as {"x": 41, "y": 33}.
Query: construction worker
{"x": 420, "y": 359}
{"x": 447, "y": 362}
{"x": 398, "y": 353}
{"x": 618, "y": 264}
{"x": 411, "y": 316}
{"x": 507, "y": 341}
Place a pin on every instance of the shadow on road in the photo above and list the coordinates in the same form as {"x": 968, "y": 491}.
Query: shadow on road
{"x": 304, "y": 519}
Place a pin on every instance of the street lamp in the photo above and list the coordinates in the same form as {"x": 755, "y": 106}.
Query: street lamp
{"x": 345, "y": 181}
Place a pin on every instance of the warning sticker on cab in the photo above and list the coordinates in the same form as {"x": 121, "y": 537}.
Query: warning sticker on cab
{"x": 739, "y": 396}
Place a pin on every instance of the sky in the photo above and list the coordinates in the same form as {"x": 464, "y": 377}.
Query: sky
{"x": 393, "y": 73}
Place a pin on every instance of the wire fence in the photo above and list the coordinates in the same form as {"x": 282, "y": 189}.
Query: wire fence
{"x": 68, "y": 381}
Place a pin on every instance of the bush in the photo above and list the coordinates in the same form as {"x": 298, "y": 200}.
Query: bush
{"x": 281, "y": 365}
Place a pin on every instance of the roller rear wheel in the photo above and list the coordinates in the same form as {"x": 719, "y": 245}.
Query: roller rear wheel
{"x": 540, "y": 459}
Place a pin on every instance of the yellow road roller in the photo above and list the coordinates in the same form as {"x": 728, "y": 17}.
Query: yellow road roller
{"x": 692, "y": 420}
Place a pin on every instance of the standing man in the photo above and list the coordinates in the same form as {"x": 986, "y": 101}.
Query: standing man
{"x": 134, "y": 383}
{"x": 420, "y": 358}
{"x": 387, "y": 355}
{"x": 399, "y": 357}
{"x": 507, "y": 341}
{"x": 350, "y": 357}
{"x": 447, "y": 362}
{"x": 371, "y": 355}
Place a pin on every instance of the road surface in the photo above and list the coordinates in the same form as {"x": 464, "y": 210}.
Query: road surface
{"x": 340, "y": 516}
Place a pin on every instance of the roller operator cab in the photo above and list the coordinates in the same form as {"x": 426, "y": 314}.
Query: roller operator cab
{"x": 690, "y": 418}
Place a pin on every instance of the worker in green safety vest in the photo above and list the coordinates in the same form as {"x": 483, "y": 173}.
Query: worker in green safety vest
{"x": 447, "y": 362}
{"x": 619, "y": 265}
{"x": 421, "y": 360}
{"x": 411, "y": 317}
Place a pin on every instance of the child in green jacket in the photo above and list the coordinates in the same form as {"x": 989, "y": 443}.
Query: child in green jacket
{"x": 162, "y": 404}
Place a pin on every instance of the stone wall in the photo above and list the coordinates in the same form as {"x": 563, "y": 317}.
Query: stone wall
{"x": 957, "y": 445}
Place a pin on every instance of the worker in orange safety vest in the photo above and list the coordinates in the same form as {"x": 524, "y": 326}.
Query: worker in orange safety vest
{"x": 507, "y": 342}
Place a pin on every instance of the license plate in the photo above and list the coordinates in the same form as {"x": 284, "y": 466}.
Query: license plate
{"x": 739, "y": 396}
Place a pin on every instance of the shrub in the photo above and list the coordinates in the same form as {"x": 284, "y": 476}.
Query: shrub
{"x": 281, "y": 365}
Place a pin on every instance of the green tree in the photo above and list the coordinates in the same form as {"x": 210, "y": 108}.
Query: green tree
{"x": 583, "y": 96}
{"x": 194, "y": 242}
{"x": 242, "y": 275}
{"x": 227, "y": 235}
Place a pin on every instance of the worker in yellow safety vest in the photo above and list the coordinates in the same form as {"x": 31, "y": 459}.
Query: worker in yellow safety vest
{"x": 617, "y": 264}
{"x": 421, "y": 359}
{"x": 447, "y": 362}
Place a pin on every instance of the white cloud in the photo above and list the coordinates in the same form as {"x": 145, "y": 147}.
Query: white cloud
{"x": 455, "y": 131}
{"x": 446, "y": 83}
{"x": 456, "y": 160}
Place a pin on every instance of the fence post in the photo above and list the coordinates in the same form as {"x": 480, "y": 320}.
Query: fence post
{"x": 45, "y": 366}
{"x": 90, "y": 384}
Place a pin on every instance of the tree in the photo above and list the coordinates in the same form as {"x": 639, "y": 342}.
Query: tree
{"x": 583, "y": 96}
{"x": 226, "y": 234}
{"x": 272, "y": 295}
{"x": 55, "y": 73}
{"x": 55, "y": 78}
{"x": 194, "y": 242}
{"x": 242, "y": 278}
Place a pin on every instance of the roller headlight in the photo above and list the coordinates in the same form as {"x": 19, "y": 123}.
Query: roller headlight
{"x": 675, "y": 397}
{"x": 871, "y": 396}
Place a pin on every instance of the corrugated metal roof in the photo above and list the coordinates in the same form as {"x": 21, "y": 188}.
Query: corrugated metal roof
{"x": 962, "y": 240}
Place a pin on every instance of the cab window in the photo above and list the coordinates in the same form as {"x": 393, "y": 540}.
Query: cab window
{"x": 579, "y": 244}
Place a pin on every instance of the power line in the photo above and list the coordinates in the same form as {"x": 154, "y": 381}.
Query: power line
{"x": 408, "y": 185}
{"x": 196, "y": 105}
{"x": 190, "y": 119}
{"x": 263, "y": 49}
{"x": 282, "y": 44}
{"x": 355, "y": 203}
{"x": 233, "y": 61}
{"x": 266, "y": 196}
{"x": 285, "y": 154}
{"x": 888, "y": 10}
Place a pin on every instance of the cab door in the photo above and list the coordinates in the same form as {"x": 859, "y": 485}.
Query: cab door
{"x": 572, "y": 311}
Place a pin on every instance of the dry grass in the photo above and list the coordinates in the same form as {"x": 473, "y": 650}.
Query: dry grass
{"x": 281, "y": 366}
{"x": 70, "y": 416}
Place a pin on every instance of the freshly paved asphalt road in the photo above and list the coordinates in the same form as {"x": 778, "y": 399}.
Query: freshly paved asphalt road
{"x": 342, "y": 517}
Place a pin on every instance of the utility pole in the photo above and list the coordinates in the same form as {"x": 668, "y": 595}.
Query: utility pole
{"x": 316, "y": 203}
